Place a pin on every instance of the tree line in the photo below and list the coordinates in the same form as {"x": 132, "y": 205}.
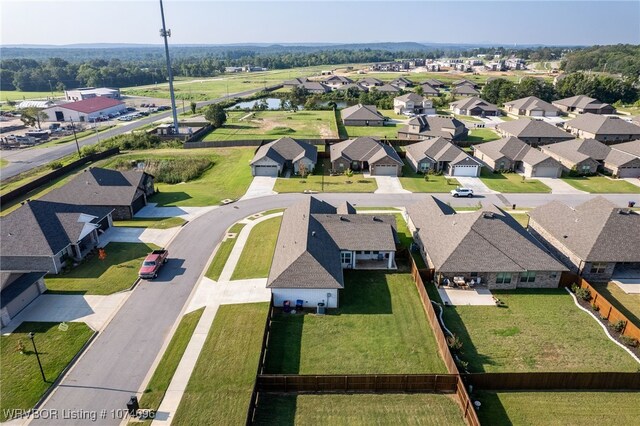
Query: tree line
{"x": 623, "y": 59}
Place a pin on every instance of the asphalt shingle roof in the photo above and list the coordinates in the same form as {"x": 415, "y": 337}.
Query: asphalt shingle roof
{"x": 473, "y": 102}
{"x": 603, "y": 125}
{"x": 531, "y": 103}
{"x": 580, "y": 101}
{"x": 286, "y": 149}
{"x": 437, "y": 149}
{"x": 361, "y": 112}
{"x": 513, "y": 149}
{"x": 363, "y": 149}
{"x": 414, "y": 97}
{"x": 525, "y": 128}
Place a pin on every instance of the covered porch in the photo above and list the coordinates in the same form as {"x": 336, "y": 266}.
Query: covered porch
{"x": 368, "y": 259}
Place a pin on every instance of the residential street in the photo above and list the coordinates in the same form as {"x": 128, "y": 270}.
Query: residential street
{"x": 114, "y": 366}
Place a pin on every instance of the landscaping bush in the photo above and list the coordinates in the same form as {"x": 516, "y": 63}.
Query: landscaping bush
{"x": 618, "y": 325}
{"x": 584, "y": 294}
{"x": 454, "y": 342}
{"x": 55, "y": 165}
{"x": 595, "y": 307}
{"x": 629, "y": 341}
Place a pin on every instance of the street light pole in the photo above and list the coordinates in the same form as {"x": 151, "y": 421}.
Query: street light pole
{"x": 165, "y": 34}
{"x": 32, "y": 337}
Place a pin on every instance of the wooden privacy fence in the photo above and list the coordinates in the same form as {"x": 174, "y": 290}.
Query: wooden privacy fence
{"x": 253, "y": 401}
{"x": 358, "y": 383}
{"x": 554, "y": 381}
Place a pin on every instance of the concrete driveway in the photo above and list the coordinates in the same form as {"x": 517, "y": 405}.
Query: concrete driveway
{"x": 261, "y": 186}
{"x": 152, "y": 210}
{"x": 476, "y": 184}
{"x": 558, "y": 186}
{"x": 389, "y": 185}
{"x": 118, "y": 234}
{"x": 633, "y": 181}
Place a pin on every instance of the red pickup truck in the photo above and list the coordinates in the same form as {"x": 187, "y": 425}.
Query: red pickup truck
{"x": 152, "y": 264}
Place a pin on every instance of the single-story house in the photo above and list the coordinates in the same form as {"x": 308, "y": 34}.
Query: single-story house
{"x": 582, "y": 104}
{"x": 315, "y": 87}
{"x": 434, "y": 82}
{"x": 17, "y": 290}
{"x": 474, "y": 106}
{"x": 295, "y": 82}
{"x": 336, "y": 81}
{"x": 45, "y": 235}
{"x": 440, "y": 155}
{"x": 429, "y": 90}
{"x": 589, "y": 156}
{"x": 370, "y": 82}
{"x": 606, "y": 129}
{"x": 595, "y": 239}
{"x": 413, "y": 103}
{"x": 402, "y": 82}
{"x": 532, "y": 107}
{"x": 514, "y": 155}
{"x": 125, "y": 192}
{"x": 533, "y": 132}
{"x": 355, "y": 86}
{"x": 386, "y": 88}
{"x": 87, "y": 110}
{"x": 464, "y": 82}
{"x": 424, "y": 127}
{"x": 274, "y": 158}
{"x": 362, "y": 115}
{"x": 317, "y": 241}
{"x": 487, "y": 246}
{"x": 465, "y": 90}
{"x": 364, "y": 153}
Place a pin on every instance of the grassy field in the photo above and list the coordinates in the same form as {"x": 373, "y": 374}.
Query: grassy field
{"x": 229, "y": 177}
{"x": 628, "y": 304}
{"x": 389, "y": 130}
{"x": 413, "y": 409}
{"x": 446, "y": 77}
{"x": 18, "y": 96}
{"x": 482, "y": 135}
{"x": 559, "y": 408}
{"x": 539, "y": 330}
{"x": 601, "y": 184}
{"x": 380, "y": 327}
{"x": 153, "y": 394}
{"x": 511, "y": 182}
{"x": 115, "y": 273}
{"x": 220, "y": 259}
{"x": 415, "y": 182}
{"x": 255, "y": 260}
{"x": 336, "y": 183}
{"x": 277, "y": 124}
{"x": 152, "y": 222}
{"x": 220, "y": 387}
{"x": 21, "y": 384}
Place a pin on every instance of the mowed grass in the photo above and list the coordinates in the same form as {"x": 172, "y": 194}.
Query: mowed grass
{"x": 318, "y": 183}
{"x": 559, "y": 408}
{"x": 482, "y": 135}
{"x": 19, "y": 96}
{"x": 276, "y": 124}
{"x": 628, "y": 304}
{"x": 222, "y": 255}
{"x": 220, "y": 386}
{"x": 512, "y": 182}
{"x": 99, "y": 277}
{"x": 255, "y": 260}
{"x": 389, "y": 130}
{"x": 355, "y": 409}
{"x": 522, "y": 218}
{"x": 602, "y": 184}
{"x": 21, "y": 384}
{"x": 380, "y": 328}
{"x": 415, "y": 182}
{"x": 539, "y": 330}
{"x": 229, "y": 177}
{"x": 159, "y": 383}
{"x": 151, "y": 222}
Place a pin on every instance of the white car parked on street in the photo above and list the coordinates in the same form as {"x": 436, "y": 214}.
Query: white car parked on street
{"x": 462, "y": 192}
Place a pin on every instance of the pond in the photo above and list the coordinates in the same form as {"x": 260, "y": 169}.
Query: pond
{"x": 274, "y": 104}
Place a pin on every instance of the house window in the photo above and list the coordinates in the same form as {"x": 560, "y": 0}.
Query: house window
{"x": 503, "y": 278}
{"x": 424, "y": 166}
{"x": 345, "y": 257}
{"x": 586, "y": 168}
{"x": 528, "y": 277}
{"x": 598, "y": 267}
{"x": 376, "y": 252}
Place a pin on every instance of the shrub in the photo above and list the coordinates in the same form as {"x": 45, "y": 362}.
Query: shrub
{"x": 55, "y": 165}
{"x": 348, "y": 173}
{"x": 594, "y": 307}
{"x": 177, "y": 170}
{"x": 629, "y": 341}
{"x": 574, "y": 287}
{"x": 584, "y": 294}
{"x": 454, "y": 342}
{"x": 618, "y": 325}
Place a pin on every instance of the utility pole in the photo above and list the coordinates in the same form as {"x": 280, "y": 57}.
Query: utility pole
{"x": 165, "y": 34}
{"x": 73, "y": 129}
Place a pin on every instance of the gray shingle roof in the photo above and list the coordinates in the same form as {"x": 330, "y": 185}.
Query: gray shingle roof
{"x": 370, "y": 81}
{"x": 286, "y": 149}
{"x": 361, "y": 112}
{"x": 464, "y": 82}
{"x": 487, "y": 240}
{"x": 414, "y": 97}
{"x": 632, "y": 147}
{"x": 513, "y": 149}
{"x": 525, "y": 128}
{"x": 387, "y": 88}
{"x": 356, "y": 86}
{"x": 433, "y": 82}
{"x": 338, "y": 79}
{"x": 596, "y": 231}
{"x": 473, "y": 102}
{"x": 465, "y": 89}
{"x": 603, "y": 125}
{"x": 580, "y": 101}
{"x": 43, "y": 228}
{"x": 363, "y": 149}
{"x": 428, "y": 89}
{"x": 434, "y": 126}
{"x": 437, "y": 149}
{"x": 531, "y": 103}
{"x": 315, "y": 86}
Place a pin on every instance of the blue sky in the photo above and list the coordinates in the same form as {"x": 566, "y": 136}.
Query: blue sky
{"x": 220, "y": 22}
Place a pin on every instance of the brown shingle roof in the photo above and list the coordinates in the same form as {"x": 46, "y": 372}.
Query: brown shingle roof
{"x": 361, "y": 112}
{"x": 531, "y": 103}
{"x": 286, "y": 149}
{"x": 363, "y": 149}
{"x": 513, "y": 149}
{"x": 603, "y": 125}
{"x": 525, "y": 128}
{"x": 437, "y": 149}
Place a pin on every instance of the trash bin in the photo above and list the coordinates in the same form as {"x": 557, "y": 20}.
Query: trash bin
{"x": 513, "y": 206}
{"x": 320, "y": 310}
{"x": 132, "y": 405}
{"x": 286, "y": 306}
{"x": 631, "y": 204}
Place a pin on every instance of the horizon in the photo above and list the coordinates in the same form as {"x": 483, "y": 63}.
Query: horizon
{"x": 224, "y": 23}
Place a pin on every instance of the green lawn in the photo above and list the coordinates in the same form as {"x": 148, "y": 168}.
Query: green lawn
{"x": 601, "y": 184}
{"x": 255, "y": 260}
{"x": 389, "y": 113}
{"x": 415, "y": 182}
{"x": 3, "y": 163}
{"x": 628, "y": 304}
{"x": 511, "y": 182}
{"x": 389, "y": 130}
{"x": 559, "y": 408}
{"x": 153, "y": 394}
{"x": 467, "y": 118}
{"x": 380, "y": 327}
{"x": 115, "y": 273}
{"x": 482, "y": 135}
{"x": 276, "y": 124}
{"x": 522, "y": 218}
{"x": 229, "y": 177}
{"x": 19, "y": 96}
{"x": 336, "y": 183}
{"x": 220, "y": 259}
{"x": 539, "y": 330}
{"x": 359, "y": 409}
{"x": 220, "y": 387}
{"x": 151, "y": 222}
{"x": 21, "y": 384}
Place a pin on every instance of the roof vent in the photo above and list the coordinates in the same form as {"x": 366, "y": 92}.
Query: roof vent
{"x": 565, "y": 236}
{"x": 344, "y": 219}
{"x": 487, "y": 214}
{"x": 313, "y": 233}
{"x": 624, "y": 211}
{"x": 377, "y": 219}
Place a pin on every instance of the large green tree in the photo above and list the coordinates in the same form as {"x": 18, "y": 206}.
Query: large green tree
{"x": 215, "y": 115}
{"x": 33, "y": 116}
{"x": 499, "y": 91}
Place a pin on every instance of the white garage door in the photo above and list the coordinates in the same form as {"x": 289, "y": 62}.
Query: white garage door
{"x": 546, "y": 172}
{"x": 537, "y": 113}
{"x": 23, "y": 299}
{"x": 629, "y": 172}
{"x": 265, "y": 171}
{"x": 465, "y": 171}
{"x": 386, "y": 170}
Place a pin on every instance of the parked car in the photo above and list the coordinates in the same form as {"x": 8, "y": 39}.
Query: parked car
{"x": 462, "y": 192}
{"x": 152, "y": 264}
